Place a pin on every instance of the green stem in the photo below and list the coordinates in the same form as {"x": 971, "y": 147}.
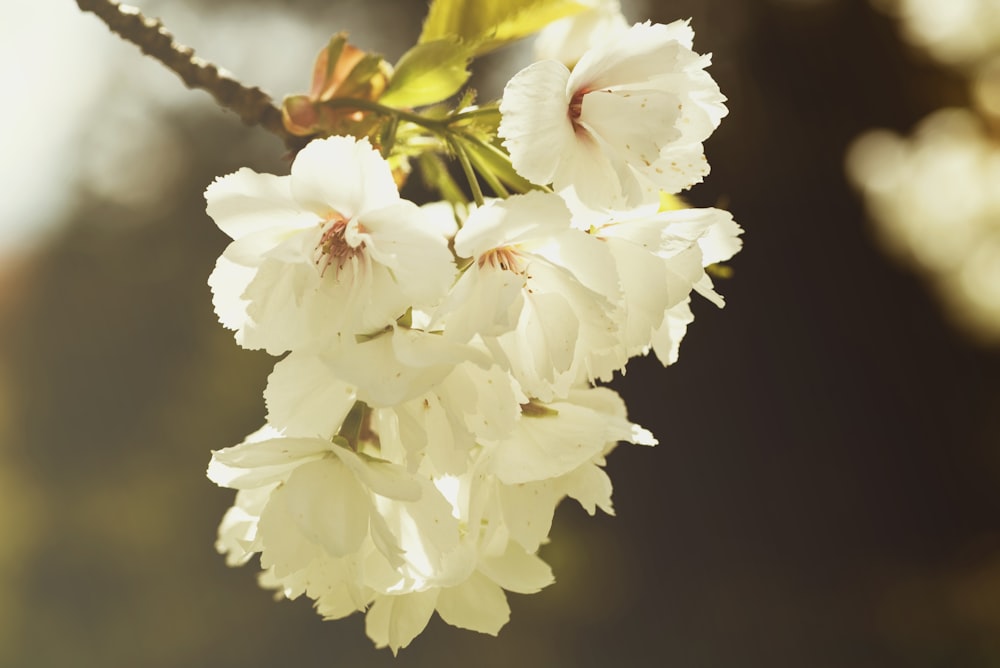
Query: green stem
{"x": 474, "y": 113}
{"x": 470, "y": 174}
{"x": 435, "y": 125}
{"x": 484, "y": 170}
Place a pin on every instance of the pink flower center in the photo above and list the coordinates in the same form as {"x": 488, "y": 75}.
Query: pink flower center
{"x": 333, "y": 247}
{"x": 504, "y": 258}
{"x": 576, "y": 107}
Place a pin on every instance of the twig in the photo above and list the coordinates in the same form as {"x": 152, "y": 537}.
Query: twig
{"x": 253, "y": 105}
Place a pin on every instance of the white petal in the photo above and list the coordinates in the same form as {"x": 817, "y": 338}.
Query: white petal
{"x": 228, "y": 282}
{"x": 517, "y": 570}
{"x": 591, "y": 487}
{"x": 342, "y": 174}
{"x": 722, "y": 240}
{"x": 666, "y": 340}
{"x": 304, "y": 399}
{"x": 400, "y": 238}
{"x": 486, "y": 300}
{"x": 394, "y": 621}
{"x": 550, "y": 446}
{"x": 567, "y": 39}
{"x": 284, "y": 547}
{"x": 258, "y": 463}
{"x": 328, "y": 505}
{"x": 381, "y": 477}
{"x": 533, "y": 216}
{"x": 478, "y": 605}
{"x": 527, "y": 510}
{"x": 245, "y": 203}
{"x": 535, "y": 124}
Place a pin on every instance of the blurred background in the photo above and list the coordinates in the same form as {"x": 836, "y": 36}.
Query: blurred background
{"x": 826, "y": 493}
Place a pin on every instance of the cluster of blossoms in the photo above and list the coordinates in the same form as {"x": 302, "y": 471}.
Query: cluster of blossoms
{"x": 437, "y": 397}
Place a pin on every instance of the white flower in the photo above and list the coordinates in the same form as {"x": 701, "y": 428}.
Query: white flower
{"x": 477, "y": 603}
{"x": 660, "y": 257}
{"x": 322, "y": 498}
{"x": 534, "y": 292}
{"x": 555, "y": 438}
{"x": 326, "y": 253}
{"x": 436, "y": 431}
{"x": 310, "y": 394}
{"x": 567, "y": 39}
{"x": 628, "y": 121}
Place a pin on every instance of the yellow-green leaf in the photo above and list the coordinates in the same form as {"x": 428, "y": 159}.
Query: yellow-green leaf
{"x": 428, "y": 73}
{"x": 490, "y": 24}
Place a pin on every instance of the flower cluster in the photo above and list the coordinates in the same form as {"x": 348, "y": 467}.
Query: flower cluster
{"x": 437, "y": 397}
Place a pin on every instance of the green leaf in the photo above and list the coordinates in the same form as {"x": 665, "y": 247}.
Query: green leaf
{"x": 437, "y": 177}
{"x": 428, "y": 73}
{"x": 491, "y": 159}
{"x": 489, "y": 24}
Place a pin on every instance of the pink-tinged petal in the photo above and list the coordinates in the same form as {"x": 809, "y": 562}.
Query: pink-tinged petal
{"x": 342, "y": 174}
{"x": 394, "y": 621}
{"x": 477, "y": 604}
{"x": 245, "y": 203}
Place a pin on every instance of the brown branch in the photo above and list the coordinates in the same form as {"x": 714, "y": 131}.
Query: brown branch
{"x": 253, "y": 105}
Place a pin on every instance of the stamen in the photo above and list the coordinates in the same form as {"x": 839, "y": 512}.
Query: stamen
{"x": 332, "y": 247}
{"x": 505, "y": 258}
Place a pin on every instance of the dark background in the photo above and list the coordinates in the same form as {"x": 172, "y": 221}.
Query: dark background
{"x": 825, "y": 494}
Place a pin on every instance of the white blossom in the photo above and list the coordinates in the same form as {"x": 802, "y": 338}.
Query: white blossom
{"x": 437, "y": 399}
{"x": 324, "y": 254}
{"x": 535, "y": 291}
{"x": 659, "y": 257}
{"x": 627, "y": 122}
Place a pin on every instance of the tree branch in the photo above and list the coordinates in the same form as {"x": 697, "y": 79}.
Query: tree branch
{"x": 252, "y": 105}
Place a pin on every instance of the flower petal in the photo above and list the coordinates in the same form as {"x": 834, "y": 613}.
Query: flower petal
{"x": 394, "y": 621}
{"x": 342, "y": 174}
{"x": 477, "y": 604}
